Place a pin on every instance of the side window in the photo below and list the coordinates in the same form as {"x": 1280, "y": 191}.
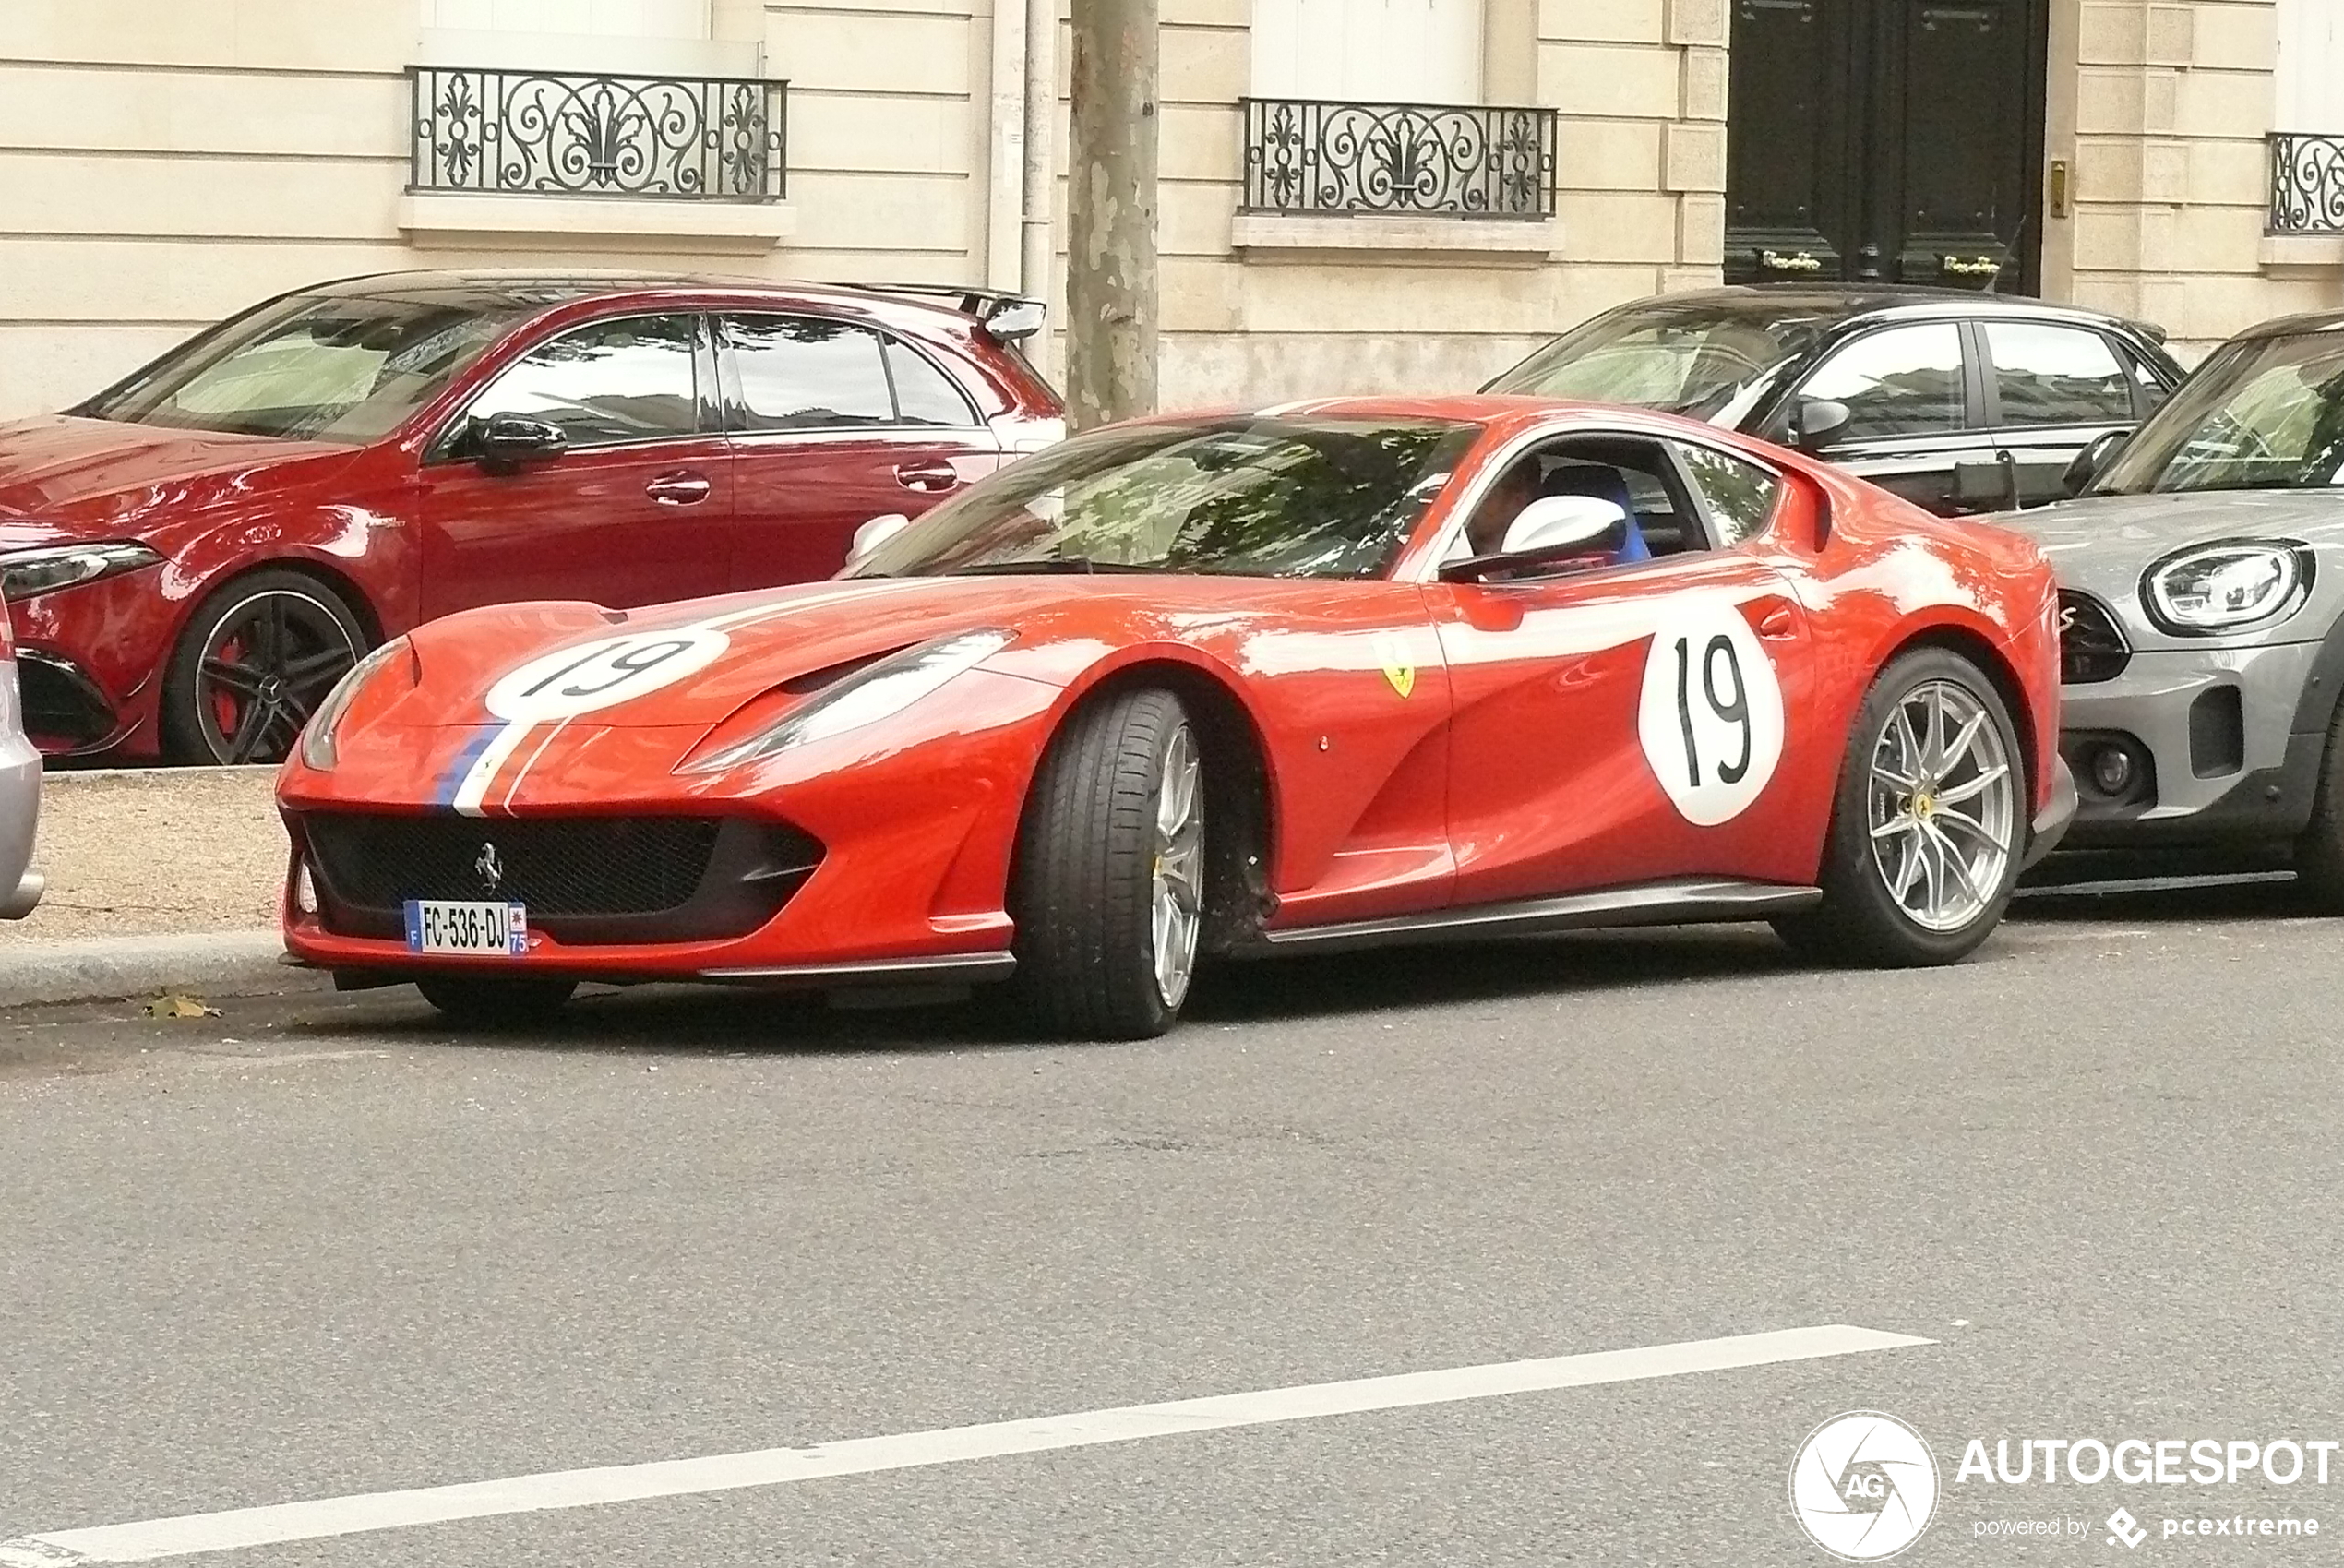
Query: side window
{"x": 1632, "y": 474}
{"x": 925, "y": 395}
{"x": 2057, "y": 375}
{"x": 1741, "y": 495}
{"x": 1903, "y": 381}
{"x": 606, "y": 383}
{"x": 2152, "y": 392}
{"x": 802, "y": 373}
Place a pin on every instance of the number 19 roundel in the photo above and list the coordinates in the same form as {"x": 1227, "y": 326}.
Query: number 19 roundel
{"x": 1711, "y": 716}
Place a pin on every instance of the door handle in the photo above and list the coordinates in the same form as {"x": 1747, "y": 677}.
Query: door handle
{"x": 681, "y": 488}
{"x": 928, "y": 476}
{"x": 1777, "y": 624}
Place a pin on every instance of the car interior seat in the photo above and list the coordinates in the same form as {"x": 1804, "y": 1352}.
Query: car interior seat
{"x": 1603, "y": 483}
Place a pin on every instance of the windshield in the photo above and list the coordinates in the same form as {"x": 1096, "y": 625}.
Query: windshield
{"x": 1693, "y": 359}
{"x": 312, "y": 368}
{"x": 2264, "y": 414}
{"x": 1247, "y": 496}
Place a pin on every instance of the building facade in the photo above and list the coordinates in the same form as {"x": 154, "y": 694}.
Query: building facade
{"x": 1356, "y": 194}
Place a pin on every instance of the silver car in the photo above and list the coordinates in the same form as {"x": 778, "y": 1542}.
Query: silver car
{"x": 20, "y": 791}
{"x": 2202, "y": 578}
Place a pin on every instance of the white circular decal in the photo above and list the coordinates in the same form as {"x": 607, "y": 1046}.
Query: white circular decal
{"x": 1863, "y": 1485}
{"x": 591, "y": 675}
{"x": 1711, "y": 716}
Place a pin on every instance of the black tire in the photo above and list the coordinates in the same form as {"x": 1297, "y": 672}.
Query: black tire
{"x": 496, "y": 1002}
{"x": 1083, "y": 888}
{"x": 1859, "y": 920}
{"x": 223, "y": 702}
{"x": 2319, "y": 848}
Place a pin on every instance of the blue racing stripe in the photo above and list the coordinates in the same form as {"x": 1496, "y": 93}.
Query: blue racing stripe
{"x": 444, "y": 792}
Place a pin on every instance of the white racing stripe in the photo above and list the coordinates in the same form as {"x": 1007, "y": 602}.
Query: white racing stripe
{"x": 238, "y": 1527}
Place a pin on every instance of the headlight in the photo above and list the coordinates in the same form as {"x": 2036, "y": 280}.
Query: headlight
{"x": 317, "y": 736}
{"x": 2221, "y": 587}
{"x": 24, "y": 573}
{"x": 878, "y": 692}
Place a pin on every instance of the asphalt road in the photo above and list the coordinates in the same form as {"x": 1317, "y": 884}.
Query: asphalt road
{"x": 318, "y": 1247}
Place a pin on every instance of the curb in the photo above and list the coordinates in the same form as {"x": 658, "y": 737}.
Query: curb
{"x": 109, "y": 968}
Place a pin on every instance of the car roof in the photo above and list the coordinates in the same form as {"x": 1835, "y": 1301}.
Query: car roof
{"x": 517, "y": 289}
{"x": 2296, "y": 326}
{"x": 1852, "y": 302}
{"x": 1462, "y": 408}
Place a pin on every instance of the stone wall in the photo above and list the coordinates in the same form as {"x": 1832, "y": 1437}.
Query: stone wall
{"x": 2163, "y": 109}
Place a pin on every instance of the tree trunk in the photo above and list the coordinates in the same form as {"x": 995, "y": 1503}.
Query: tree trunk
{"x": 1110, "y": 286}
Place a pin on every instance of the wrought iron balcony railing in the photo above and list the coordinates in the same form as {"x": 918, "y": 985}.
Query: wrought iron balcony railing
{"x": 2307, "y": 184}
{"x": 1313, "y": 156}
{"x": 685, "y": 139}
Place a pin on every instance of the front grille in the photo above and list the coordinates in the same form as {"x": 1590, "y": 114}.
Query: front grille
{"x": 584, "y": 878}
{"x": 562, "y": 866}
{"x": 2091, "y": 648}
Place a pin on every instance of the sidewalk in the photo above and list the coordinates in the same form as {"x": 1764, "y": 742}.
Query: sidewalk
{"x": 157, "y": 878}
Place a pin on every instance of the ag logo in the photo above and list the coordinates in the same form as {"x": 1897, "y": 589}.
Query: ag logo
{"x": 1711, "y": 715}
{"x": 1864, "y": 1486}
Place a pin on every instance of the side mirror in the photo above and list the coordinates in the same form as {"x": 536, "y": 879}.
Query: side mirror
{"x": 1551, "y": 529}
{"x": 1013, "y": 320}
{"x": 504, "y": 442}
{"x": 1821, "y": 422}
{"x": 2092, "y": 460}
{"x": 874, "y": 533}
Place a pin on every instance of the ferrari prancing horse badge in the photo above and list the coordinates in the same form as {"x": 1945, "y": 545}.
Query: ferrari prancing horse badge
{"x": 1397, "y": 667}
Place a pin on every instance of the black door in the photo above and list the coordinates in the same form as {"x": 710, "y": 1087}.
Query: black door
{"x": 1886, "y": 141}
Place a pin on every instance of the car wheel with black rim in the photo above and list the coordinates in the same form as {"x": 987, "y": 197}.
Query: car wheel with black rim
{"x": 1109, "y": 883}
{"x": 252, "y": 663}
{"x": 496, "y": 1001}
{"x": 1929, "y": 822}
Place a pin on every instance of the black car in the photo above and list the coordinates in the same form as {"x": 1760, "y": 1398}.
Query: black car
{"x": 1961, "y": 401}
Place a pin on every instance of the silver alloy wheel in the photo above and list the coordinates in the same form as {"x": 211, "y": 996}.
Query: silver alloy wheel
{"x": 1177, "y": 893}
{"x": 1943, "y": 806}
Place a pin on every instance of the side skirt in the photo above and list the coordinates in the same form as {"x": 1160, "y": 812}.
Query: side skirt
{"x": 1681, "y": 900}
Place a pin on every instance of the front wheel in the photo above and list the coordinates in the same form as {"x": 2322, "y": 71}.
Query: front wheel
{"x": 2319, "y": 849}
{"x": 496, "y": 1002}
{"x": 1109, "y": 889}
{"x": 253, "y": 663}
{"x": 1928, "y": 824}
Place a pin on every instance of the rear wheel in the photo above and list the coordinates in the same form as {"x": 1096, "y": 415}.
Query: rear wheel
{"x": 1109, "y": 889}
{"x": 253, "y": 663}
{"x": 496, "y": 1002}
{"x": 1929, "y": 823}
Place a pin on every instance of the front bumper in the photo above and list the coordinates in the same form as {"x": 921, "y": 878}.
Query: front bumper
{"x": 21, "y": 886}
{"x": 65, "y": 707}
{"x": 2219, "y": 745}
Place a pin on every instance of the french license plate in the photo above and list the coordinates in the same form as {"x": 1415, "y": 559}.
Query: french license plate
{"x": 439, "y": 925}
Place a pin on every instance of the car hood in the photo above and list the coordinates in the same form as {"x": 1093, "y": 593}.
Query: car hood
{"x": 69, "y": 479}
{"x": 2103, "y": 542}
{"x": 751, "y": 643}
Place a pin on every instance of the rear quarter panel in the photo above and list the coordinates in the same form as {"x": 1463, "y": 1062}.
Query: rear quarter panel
{"x": 1890, "y": 575}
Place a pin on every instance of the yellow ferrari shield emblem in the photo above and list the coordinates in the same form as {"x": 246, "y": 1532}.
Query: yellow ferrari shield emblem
{"x": 1396, "y": 668}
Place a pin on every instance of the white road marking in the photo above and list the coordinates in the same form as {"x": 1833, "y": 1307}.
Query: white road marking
{"x": 237, "y": 1528}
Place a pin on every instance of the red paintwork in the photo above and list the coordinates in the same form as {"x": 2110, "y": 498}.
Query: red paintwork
{"x": 405, "y": 540}
{"x": 1502, "y": 771}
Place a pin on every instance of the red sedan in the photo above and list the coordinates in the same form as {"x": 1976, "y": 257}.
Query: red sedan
{"x": 196, "y": 554}
{"x": 1330, "y": 676}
